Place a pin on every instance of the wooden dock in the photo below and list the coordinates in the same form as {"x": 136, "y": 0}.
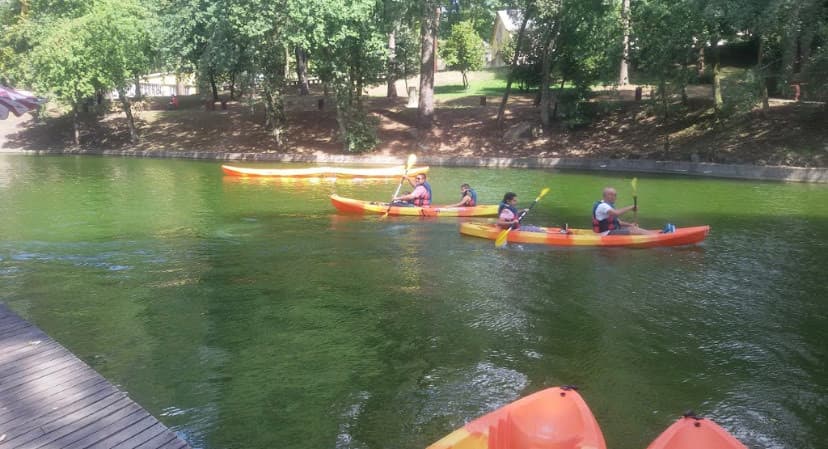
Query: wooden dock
{"x": 51, "y": 399}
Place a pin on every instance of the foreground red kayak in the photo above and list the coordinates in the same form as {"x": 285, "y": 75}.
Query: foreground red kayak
{"x": 691, "y": 432}
{"x": 372, "y": 207}
{"x": 323, "y": 172}
{"x": 555, "y": 418}
{"x": 586, "y": 237}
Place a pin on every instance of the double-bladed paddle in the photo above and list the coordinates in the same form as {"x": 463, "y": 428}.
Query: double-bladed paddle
{"x": 504, "y": 235}
{"x": 412, "y": 159}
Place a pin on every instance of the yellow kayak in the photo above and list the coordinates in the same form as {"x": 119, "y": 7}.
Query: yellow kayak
{"x": 323, "y": 172}
{"x": 373, "y": 207}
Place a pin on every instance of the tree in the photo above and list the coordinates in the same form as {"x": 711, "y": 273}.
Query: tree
{"x": 463, "y": 50}
{"x": 428, "y": 43}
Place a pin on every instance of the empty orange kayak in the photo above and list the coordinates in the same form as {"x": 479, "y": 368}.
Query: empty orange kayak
{"x": 691, "y": 432}
{"x": 373, "y": 207}
{"x": 555, "y": 418}
{"x": 323, "y": 172}
{"x": 586, "y": 237}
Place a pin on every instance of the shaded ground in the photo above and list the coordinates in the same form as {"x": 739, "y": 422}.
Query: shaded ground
{"x": 612, "y": 126}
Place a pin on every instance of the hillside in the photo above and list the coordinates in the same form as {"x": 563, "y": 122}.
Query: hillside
{"x": 791, "y": 133}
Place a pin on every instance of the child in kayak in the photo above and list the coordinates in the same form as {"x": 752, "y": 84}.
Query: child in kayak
{"x": 468, "y": 197}
{"x": 508, "y": 215}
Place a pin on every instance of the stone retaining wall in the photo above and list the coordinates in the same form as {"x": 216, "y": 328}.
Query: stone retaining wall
{"x": 768, "y": 173}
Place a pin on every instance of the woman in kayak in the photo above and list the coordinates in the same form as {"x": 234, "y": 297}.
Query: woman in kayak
{"x": 468, "y": 197}
{"x": 421, "y": 196}
{"x": 508, "y": 215}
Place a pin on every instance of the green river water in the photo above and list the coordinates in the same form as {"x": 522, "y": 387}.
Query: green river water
{"x": 250, "y": 314}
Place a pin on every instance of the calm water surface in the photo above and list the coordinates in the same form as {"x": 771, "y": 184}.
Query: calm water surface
{"x": 250, "y": 314}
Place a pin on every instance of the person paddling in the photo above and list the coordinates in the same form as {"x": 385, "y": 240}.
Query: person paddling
{"x": 605, "y": 219}
{"x": 468, "y": 197}
{"x": 508, "y": 216}
{"x": 421, "y": 196}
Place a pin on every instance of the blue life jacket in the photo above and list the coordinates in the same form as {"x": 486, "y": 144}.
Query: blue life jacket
{"x": 607, "y": 224}
{"x": 424, "y": 200}
{"x": 473, "y": 196}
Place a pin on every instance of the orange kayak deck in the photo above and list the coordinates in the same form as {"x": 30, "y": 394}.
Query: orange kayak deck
{"x": 555, "y": 418}
{"x": 586, "y": 237}
{"x": 323, "y": 172}
{"x": 690, "y": 432}
{"x": 353, "y": 206}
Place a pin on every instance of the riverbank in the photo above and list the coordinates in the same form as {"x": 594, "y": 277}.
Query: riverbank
{"x": 790, "y": 142}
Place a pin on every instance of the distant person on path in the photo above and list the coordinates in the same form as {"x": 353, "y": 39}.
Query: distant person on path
{"x": 508, "y": 215}
{"x": 421, "y": 196}
{"x": 468, "y": 197}
{"x": 174, "y": 102}
{"x": 605, "y": 219}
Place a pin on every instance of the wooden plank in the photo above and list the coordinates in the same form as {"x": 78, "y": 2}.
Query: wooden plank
{"x": 51, "y": 399}
{"x": 86, "y": 394}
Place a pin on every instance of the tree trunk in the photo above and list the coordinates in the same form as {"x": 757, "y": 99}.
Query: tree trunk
{"x": 546, "y": 68}
{"x": 302, "y": 71}
{"x": 761, "y": 73}
{"x": 138, "y": 94}
{"x": 700, "y": 61}
{"x": 76, "y": 123}
{"x": 127, "y": 107}
{"x": 232, "y": 86}
{"x": 274, "y": 111}
{"x": 501, "y": 111}
{"x": 428, "y": 34}
{"x": 391, "y": 77}
{"x": 717, "y": 77}
{"x": 624, "y": 76}
{"x": 213, "y": 85}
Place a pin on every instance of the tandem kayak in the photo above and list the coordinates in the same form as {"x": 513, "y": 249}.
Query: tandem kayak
{"x": 323, "y": 172}
{"x": 372, "y": 207}
{"x": 691, "y": 432}
{"x": 586, "y": 237}
{"x": 555, "y": 418}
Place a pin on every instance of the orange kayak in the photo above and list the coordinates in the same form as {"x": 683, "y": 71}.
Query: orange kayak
{"x": 323, "y": 172}
{"x": 372, "y": 207}
{"x": 555, "y": 418}
{"x": 691, "y": 432}
{"x": 586, "y": 237}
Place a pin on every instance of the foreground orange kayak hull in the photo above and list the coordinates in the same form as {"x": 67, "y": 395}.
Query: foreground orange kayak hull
{"x": 353, "y": 206}
{"x": 586, "y": 237}
{"x": 555, "y": 418}
{"x": 690, "y": 432}
{"x": 322, "y": 172}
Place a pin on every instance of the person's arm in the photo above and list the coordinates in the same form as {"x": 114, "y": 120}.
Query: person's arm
{"x": 410, "y": 182}
{"x": 418, "y": 191}
{"x": 463, "y": 202}
{"x": 616, "y": 213}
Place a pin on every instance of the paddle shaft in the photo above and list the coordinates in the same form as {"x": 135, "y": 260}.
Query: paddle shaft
{"x": 408, "y": 164}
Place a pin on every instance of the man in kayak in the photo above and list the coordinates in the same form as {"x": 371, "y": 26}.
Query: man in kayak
{"x": 605, "y": 219}
{"x": 468, "y": 197}
{"x": 508, "y": 216}
{"x": 421, "y": 196}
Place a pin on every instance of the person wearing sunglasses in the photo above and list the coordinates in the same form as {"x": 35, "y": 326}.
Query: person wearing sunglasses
{"x": 421, "y": 196}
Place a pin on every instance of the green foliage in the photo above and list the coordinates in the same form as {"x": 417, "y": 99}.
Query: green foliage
{"x": 463, "y": 50}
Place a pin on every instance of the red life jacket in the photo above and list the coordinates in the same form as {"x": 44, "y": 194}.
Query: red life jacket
{"x": 424, "y": 200}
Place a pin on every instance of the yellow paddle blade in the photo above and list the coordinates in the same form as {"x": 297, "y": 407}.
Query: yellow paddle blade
{"x": 634, "y": 184}
{"x": 502, "y": 237}
{"x": 542, "y": 194}
{"x": 412, "y": 159}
